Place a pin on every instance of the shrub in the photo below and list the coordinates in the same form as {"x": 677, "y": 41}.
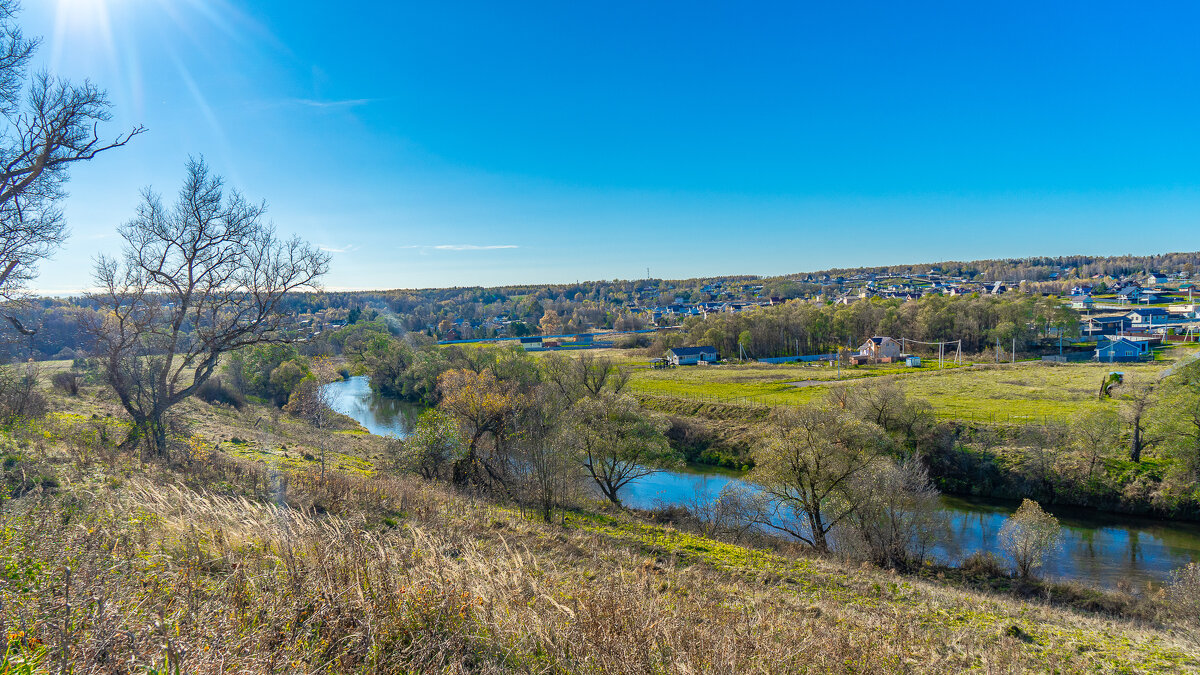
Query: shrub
{"x": 1182, "y": 595}
{"x": 215, "y": 390}
{"x": 984, "y": 563}
{"x": 1028, "y": 535}
{"x": 67, "y": 382}
{"x": 19, "y": 398}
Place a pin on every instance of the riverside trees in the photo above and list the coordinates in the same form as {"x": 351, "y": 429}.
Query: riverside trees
{"x": 806, "y": 467}
{"x": 533, "y": 430}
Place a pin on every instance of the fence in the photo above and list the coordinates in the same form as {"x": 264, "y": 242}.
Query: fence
{"x": 789, "y": 359}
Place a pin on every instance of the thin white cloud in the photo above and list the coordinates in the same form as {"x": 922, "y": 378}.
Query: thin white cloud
{"x": 335, "y": 103}
{"x": 339, "y": 249}
{"x": 460, "y": 247}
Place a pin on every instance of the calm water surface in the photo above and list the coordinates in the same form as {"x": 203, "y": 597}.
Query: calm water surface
{"x": 1096, "y": 548}
{"x": 380, "y": 415}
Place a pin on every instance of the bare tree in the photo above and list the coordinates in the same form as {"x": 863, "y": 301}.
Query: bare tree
{"x": 584, "y": 375}
{"x": 196, "y": 280}
{"x": 1135, "y": 412}
{"x": 899, "y": 518}
{"x": 48, "y": 124}
{"x": 1094, "y": 436}
{"x": 549, "y": 465}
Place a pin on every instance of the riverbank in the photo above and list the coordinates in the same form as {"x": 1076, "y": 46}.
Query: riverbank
{"x": 241, "y": 560}
{"x": 1097, "y": 550}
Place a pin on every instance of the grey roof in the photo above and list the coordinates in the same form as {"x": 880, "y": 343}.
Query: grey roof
{"x": 693, "y": 351}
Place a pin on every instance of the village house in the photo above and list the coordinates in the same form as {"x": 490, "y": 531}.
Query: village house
{"x": 1129, "y": 294}
{"x": 1104, "y": 325}
{"x": 690, "y": 356}
{"x": 1122, "y": 349}
{"x": 880, "y": 347}
{"x": 1148, "y": 316}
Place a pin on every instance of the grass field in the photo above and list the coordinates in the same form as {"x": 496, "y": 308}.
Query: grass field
{"x": 231, "y": 560}
{"x": 1025, "y": 391}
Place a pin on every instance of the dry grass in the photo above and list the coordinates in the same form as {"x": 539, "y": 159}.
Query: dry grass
{"x": 221, "y": 564}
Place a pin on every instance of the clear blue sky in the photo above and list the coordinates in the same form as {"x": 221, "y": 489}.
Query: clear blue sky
{"x": 444, "y": 143}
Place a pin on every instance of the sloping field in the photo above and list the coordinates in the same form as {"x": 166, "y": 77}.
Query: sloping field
{"x": 1026, "y": 391}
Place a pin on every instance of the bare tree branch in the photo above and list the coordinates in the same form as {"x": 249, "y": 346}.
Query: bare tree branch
{"x": 196, "y": 280}
{"x": 48, "y": 124}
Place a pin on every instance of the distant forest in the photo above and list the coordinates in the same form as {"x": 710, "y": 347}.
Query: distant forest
{"x": 478, "y": 312}
{"x": 1034, "y": 269}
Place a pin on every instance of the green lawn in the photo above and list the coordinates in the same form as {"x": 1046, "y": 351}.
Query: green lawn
{"x": 1026, "y": 391}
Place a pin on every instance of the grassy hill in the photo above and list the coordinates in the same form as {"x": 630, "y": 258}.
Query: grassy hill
{"x": 238, "y": 556}
{"x": 1028, "y": 390}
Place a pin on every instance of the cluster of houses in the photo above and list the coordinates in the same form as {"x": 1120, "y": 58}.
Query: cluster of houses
{"x": 1128, "y": 336}
{"x": 680, "y": 310}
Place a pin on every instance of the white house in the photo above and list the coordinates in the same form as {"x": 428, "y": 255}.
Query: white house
{"x": 1148, "y": 316}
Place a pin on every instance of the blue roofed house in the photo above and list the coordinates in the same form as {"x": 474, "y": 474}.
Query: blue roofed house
{"x": 1094, "y": 326}
{"x": 1146, "y": 317}
{"x": 690, "y": 356}
{"x": 1129, "y": 294}
{"x": 1122, "y": 349}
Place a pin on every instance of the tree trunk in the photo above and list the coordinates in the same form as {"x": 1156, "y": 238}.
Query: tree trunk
{"x": 817, "y": 527}
{"x": 1135, "y": 441}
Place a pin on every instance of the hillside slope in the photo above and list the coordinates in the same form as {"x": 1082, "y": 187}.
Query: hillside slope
{"x": 220, "y": 563}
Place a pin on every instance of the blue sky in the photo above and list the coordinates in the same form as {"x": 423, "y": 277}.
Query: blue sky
{"x": 445, "y": 143}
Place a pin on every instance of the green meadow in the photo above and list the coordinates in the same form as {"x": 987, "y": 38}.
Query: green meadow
{"x": 1024, "y": 391}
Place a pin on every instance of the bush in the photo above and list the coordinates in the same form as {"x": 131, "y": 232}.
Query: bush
{"x": 1182, "y": 595}
{"x": 984, "y": 563}
{"x": 67, "y": 382}
{"x": 1028, "y": 535}
{"x": 215, "y": 391}
{"x": 19, "y": 398}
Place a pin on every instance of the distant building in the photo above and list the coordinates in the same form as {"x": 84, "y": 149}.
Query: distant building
{"x": 880, "y": 347}
{"x": 1148, "y": 316}
{"x": 1129, "y": 294}
{"x": 1104, "y": 325}
{"x": 690, "y": 356}
{"x": 1122, "y": 349}
{"x": 1156, "y": 279}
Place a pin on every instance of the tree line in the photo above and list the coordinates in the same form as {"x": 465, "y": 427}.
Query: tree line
{"x": 799, "y": 327}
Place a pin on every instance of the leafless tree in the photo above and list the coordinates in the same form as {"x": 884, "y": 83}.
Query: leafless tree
{"x": 1135, "y": 412}
{"x": 48, "y": 124}
{"x": 584, "y": 375}
{"x": 196, "y": 280}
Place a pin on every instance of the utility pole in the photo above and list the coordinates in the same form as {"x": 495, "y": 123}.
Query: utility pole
{"x": 1014, "y": 353}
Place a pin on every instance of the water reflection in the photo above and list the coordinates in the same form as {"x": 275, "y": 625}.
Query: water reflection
{"x": 380, "y": 415}
{"x": 1096, "y": 548}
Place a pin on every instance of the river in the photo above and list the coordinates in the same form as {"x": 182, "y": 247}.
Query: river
{"x": 1096, "y": 548}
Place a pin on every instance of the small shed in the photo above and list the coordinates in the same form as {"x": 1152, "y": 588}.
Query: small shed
{"x": 912, "y": 361}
